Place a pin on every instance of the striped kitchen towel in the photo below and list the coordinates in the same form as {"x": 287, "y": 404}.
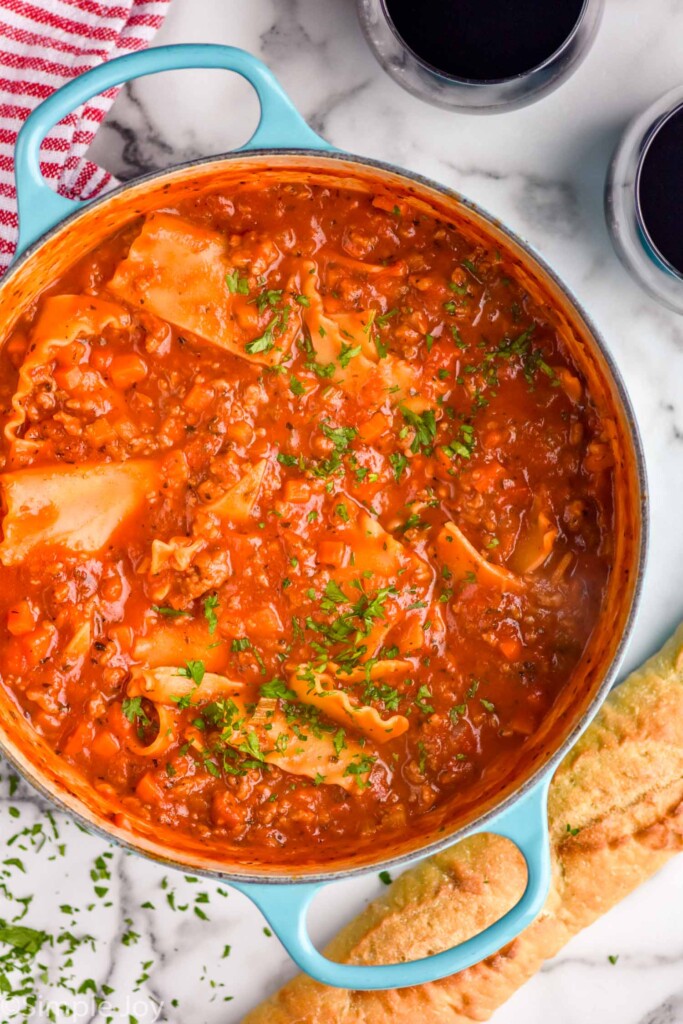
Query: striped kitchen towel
{"x": 44, "y": 43}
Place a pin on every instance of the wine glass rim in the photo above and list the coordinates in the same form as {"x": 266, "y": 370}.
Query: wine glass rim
{"x": 652, "y": 133}
{"x": 476, "y": 82}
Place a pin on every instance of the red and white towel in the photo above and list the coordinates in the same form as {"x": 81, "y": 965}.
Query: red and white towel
{"x": 44, "y": 43}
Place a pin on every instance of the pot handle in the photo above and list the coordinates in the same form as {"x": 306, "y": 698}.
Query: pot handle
{"x": 280, "y": 124}
{"x": 285, "y": 908}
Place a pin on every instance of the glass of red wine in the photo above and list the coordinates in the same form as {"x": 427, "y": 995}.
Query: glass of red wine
{"x": 644, "y": 199}
{"x": 480, "y": 56}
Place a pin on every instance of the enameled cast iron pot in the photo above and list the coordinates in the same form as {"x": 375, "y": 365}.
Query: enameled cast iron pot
{"x": 54, "y": 233}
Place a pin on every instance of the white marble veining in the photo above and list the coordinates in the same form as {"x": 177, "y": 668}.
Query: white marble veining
{"x": 541, "y": 170}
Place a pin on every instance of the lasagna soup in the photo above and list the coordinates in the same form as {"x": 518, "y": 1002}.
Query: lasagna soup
{"x": 307, "y": 517}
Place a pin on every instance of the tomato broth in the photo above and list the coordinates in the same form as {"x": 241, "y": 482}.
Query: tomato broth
{"x": 308, "y": 517}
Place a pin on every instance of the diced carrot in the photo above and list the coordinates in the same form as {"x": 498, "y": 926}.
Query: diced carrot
{"x": 443, "y": 459}
{"x": 68, "y": 379}
{"x": 118, "y": 724}
{"x": 332, "y": 552}
{"x": 298, "y": 491}
{"x": 175, "y": 468}
{"x": 195, "y": 738}
{"x": 385, "y": 201}
{"x": 570, "y": 383}
{"x": 100, "y": 358}
{"x": 240, "y": 431}
{"x": 198, "y": 398}
{"x": 598, "y": 457}
{"x": 40, "y": 643}
{"x": 512, "y": 648}
{"x": 21, "y": 619}
{"x": 523, "y": 722}
{"x": 105, "y": 744}
{"x": 70, "y": 355}
{"x": 79, "y": 740}
{"x": 127, "y": 369}
{"x": 149, "y": 790}
{"x": 14, "y": 657}
{"x": 100, "y": 432}
{"x": 124, "y": 636}
{"x": 264, "y": 623}
{"x": 487, "y": 477}
{"x": 374, "y": 427}
{"x": 413, "y": 637}
{"x": 111, "y": 587}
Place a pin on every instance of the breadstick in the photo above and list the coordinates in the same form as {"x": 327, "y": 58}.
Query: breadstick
{"x": 621, "y": 787}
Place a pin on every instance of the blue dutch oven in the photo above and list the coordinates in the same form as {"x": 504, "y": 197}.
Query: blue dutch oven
{"x": 55, "y": 231}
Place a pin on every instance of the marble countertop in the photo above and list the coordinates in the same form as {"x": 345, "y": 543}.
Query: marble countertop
{"x": 174, "y": 950}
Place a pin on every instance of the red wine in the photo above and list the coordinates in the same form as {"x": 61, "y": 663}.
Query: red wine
{"x": 660, "y": 191}
{"x": 483, "y": 39}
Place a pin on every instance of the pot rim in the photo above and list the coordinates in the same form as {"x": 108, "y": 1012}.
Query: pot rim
{"x": 543, "y": 771}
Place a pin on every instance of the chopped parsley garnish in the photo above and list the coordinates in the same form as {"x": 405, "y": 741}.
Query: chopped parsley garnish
{"x": 303, "y": 300}
{"x": 268, "y": 297}
{"x": 424, "y": 425}
{"x": 363, "y": 766}
{"x": 277, "y": 688}
{"x": 193, "y": 670}
{"x": 459, "y": 289}
{"x": 339, "y": 741}
{"x": 456, "y": 712}
{"x": 236, "y": 283}
{"x": 134, "y": 711}
{"x": 347, "y": 353}
{"x": 341, "y": 437}
{"x": 170, "y": 613}
{"x": 398, "y": 463}
{"x": 251, "y": 746}
{"x": 243, "y": 643}
{"x": 462, "y": 445}
{"x": 424, "y": 694}
{"x": 469, "y": 265}
{"x": 383, "y": 693}
{"x": 334, "y": 593}
{"x": 385, "y": 877}
{"x": 210, "y": 605}
{"x": 265, "y": 342}
{"x": 296, "y": 387}
{"x": 383, "y": 319}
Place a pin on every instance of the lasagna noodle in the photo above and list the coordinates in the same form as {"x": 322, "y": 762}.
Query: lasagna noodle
{"x": 78, "y": 507}
{"x": 455, "y": 551}
{"x": 333, "y": 334}
{"x": 63, "y": 319}
{"x": 177, "y": 270}
{"x": 167, "y": 684}
{"x": 315, "y": 756}
{"x": 320, "y": 692}
{"x": 621, "y": 791}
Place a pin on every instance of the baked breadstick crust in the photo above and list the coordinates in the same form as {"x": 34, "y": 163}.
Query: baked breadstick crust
{"x": 621, "y": 786}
